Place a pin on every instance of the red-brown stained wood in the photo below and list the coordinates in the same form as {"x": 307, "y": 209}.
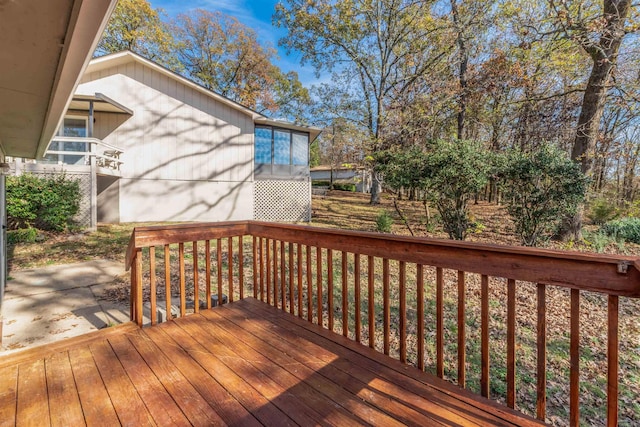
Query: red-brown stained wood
{"x": 462, "y": 354}
{"x": 183, "y": 294}
{"x": 207, "y": 266}
{"x": 196, "y": 290}
{"x": 345, "y": 296}
{"x": 330, "y": 288}
{"x": 275, "y": 273}
{"x": 612, "y": 361}
{"x": 255, "y": 266}
{"x": 268, "y": 278}
{"x": 318, "y": 280}
{"x": 138, "y": 299}
{"x": 8, "y": 394}
{"x": 574, "y": 356}
{"x": 541, "y": 343}
{"x": 261, "y": 270}
{"x": 64, "y": 403}
{"x": 219, "y": 270}
{"x": 283, "y": 277}
{"x": 386, "y": 305}
{"x": 403, "y": 311}
{"x": 161, "y": 405}
{"x": 420, "y": 314}
{"x": 96, "y": 404}
{"x": 291, "y": 274}
{"x": 371, "y": 300}
{"x": 299, "y": 271}
{"x": 357, "y": 296}
{"x": 484, "y": 336}
{"x": 152, "y": 283}
{"x": 439, "y": 323}
{"x": 230, "y": 264}
{"x": 241, "y": 266}
{"x": 126, "y": 401}
{"x": 511, "y": 343}
{"x": 310, "y": 289}
{"x": 167, "y": 281}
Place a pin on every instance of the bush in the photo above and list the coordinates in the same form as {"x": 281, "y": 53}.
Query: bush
{"x": 454, "y": 172}
{"x": 46, "y": 203}
{"x": 384, "y": 221}
{"x": 541, "y": 188}
{"x": 627, "y": 229}
{"x": 345, "y": 187}
{"x": 601, "y": 211}
{"x": 23, "y": 235}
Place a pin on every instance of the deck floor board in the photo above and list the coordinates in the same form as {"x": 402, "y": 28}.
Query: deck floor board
{"x": 244, "y": 363}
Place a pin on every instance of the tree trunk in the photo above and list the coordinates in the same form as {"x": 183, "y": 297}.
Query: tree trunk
{"x": 604, "y": 55}
{"x": 376, "y": 189}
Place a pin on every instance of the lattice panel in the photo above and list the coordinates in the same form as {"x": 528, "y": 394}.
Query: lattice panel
{"x": 83, "y": 217}
{"x": 282, "y": 201}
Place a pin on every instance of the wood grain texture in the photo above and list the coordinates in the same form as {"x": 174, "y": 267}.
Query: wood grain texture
{"x": 541, "y": 344}
{"x": 420, "y": 314}
{"x": 574, "y": 360}
{"x": 511, "y": 343}
{"x": 612, "y": 361}
{"x": 462, "y": 327}
{"x": 484, "y": 336}
{"x": 439, "y": 323}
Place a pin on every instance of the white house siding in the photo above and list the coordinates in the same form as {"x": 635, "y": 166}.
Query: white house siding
{"x": 187, "y": 157}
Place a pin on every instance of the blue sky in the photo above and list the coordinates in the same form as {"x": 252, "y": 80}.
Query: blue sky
{"x": 255, "y": 14}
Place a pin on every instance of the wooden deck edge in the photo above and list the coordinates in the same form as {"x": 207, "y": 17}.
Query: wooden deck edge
{"x": 45, "y": 350}
{"x": 488, "y": 405}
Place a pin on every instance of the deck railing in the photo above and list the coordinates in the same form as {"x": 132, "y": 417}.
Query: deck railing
{"x": 391, "y": 293}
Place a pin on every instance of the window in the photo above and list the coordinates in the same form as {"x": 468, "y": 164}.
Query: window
{"x": 281, "y": 146}
{"x": 72, "y": 126}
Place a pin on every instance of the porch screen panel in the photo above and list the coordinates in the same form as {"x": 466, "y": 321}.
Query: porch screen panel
{"x": 282, "y": 147}
{"x": 300, "y": 149}
{"x": 263, "y": 145}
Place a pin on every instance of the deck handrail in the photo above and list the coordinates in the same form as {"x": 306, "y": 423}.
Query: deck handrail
{"x": 283, "y": 275}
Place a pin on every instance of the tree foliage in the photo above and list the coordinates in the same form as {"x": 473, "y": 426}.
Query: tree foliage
{"x": 541, "y": 187}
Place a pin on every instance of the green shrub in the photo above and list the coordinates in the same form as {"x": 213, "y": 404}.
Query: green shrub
{"x": 454, "y": 172}
{"x": 23, "y": 235}
{"x": 345, "y": 187}
{"x": 541, "y": 188}
{"x": 601, "y": 211}
{"x": 320, "y": 183}
{"x": 46, "y": 203}
{"x": 627, "y": 229}
{"x": 384, "y": 221}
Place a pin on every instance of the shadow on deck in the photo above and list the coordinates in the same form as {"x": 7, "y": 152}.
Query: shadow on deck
{"x": 245, "y": 363}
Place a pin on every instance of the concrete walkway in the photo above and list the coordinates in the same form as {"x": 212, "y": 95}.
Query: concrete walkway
{"x": 52, "y": 303}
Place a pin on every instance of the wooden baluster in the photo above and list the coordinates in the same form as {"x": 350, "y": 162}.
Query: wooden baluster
{"x": 403, "y": 311}
{"x": 291, "y": 255}
{"x": 230, "y": 265}
{"x": 386, "y": 304}
{"x": 152, "y": 283}
{"x": 275, "y": 273}
{"x": 371, "y": 302}
{"x": 356, "y": 290}
{"x": 219, "y": 269}
{"x": 196, "y": 290}
{"x": 138, "y": 274}
{"x": 541, "y": 388}
{"x": 207, "y": 266}
{"x": 299, "y": 254}
{"x": 484, "y": 335}
{"x": 574, "y": 355}
{"x": 241, "y": 266}
{"x": 439, "y": 322}
{"x": 183, "y": 301}
{"x": 255, "y": 267}
{"x": 133, "y": 293}
{"x": 612, "y": 361}
{"x": 283, "y": 277}
{"x": 310, "y": 291}
{"x": 330, "y": 287}
{"x": 318, "y": 281}
{"x": 345, "y": 296}
{"x": 420, "y": 314}
{"x": 511, "y": 343}
{"x": 268, "y": 262}
{"x": 167, "y": 280}
{"x": 261, "y": 269}
{"x": 462, "y": 354}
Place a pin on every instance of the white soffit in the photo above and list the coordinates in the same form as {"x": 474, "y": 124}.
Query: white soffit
{"x": 44, "y": 48}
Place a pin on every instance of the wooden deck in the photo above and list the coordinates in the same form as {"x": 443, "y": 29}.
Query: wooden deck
{"x": 245, "y": 363}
